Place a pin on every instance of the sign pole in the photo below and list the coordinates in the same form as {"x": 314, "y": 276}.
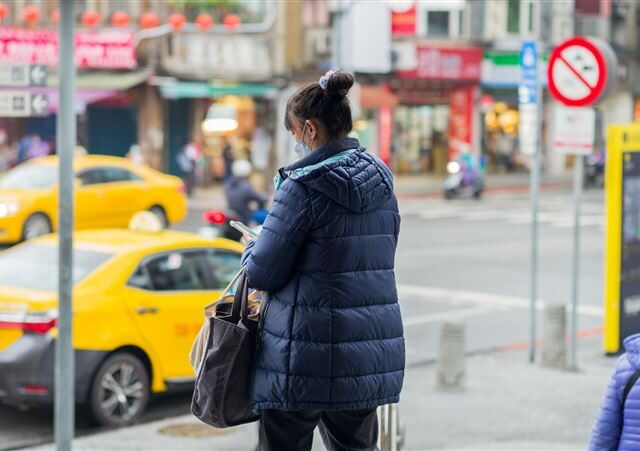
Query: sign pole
{"x": 535, "y": 200}
{"x": 64, "y": 359}
{"x": 578, "y": 176}
{"x": 530, "y": 105}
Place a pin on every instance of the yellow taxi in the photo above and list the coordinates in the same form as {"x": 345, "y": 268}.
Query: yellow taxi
{"x": 138, "y": 306}
{"x": 108, "y": 192}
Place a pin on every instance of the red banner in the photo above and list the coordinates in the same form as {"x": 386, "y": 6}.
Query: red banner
{"x": 96, "y": 49}
{"x": 446, "y": 63}
{"x": 461, "y": 103}
{"x": 404, "y": 23}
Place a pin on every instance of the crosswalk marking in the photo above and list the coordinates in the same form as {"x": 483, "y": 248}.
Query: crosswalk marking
{"x": 554, "y": 213}
{"x": 474, "y": 303}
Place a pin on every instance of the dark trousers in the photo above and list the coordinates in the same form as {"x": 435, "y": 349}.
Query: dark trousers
{"x": 352, "y": 430}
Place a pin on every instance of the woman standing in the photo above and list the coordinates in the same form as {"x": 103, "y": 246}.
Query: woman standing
{"x": 331, "y": 345}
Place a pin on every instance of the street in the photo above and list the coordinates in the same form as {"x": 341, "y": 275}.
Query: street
{"x": 462, "y": 261}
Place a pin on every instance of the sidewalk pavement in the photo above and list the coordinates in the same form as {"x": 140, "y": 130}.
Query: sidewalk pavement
{"x": 508, "y": 404}
{"x": 410, "y": 187}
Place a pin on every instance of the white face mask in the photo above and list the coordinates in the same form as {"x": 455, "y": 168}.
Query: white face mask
{"x": 301, "y": 148}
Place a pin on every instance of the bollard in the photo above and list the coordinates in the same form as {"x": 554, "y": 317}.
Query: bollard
{"x": 554, "y": 345}
{"x": 450, "y": 373}
{"x": 390, "y": 436}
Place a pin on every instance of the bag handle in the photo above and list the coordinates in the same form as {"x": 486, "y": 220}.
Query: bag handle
{"x": 210, "y": 309}
{"x": 240, "y": 307}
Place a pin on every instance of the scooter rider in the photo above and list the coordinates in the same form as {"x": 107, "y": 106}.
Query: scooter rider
{"x": 239, "y": 192}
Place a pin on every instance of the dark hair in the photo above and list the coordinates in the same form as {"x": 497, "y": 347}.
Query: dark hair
{"x": 329, "y": 105}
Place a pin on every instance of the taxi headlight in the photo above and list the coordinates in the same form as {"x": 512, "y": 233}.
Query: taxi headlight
{"x": 8, "y": 209}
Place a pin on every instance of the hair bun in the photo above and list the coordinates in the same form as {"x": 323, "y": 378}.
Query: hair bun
{"x": 339, "y": 84}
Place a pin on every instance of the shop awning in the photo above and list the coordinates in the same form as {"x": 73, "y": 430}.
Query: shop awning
{"x": 97, "y": 80}
{"x": 377, "y": 97}
{"x": 191, "y": 89}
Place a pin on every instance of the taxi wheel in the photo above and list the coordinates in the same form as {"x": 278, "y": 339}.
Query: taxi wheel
{"x": 36, "y": 225}
{"x": 161, "y": 215}
{"x": 120, "y": 390}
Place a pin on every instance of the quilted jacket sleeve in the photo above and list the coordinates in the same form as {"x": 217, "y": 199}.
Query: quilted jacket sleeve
{"x": 270, "y": 261}
{"x": 608, "y": 428}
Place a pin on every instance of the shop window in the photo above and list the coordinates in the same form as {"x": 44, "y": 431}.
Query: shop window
{"x": 438, "y": 23}
{"x": 513, "y": 16}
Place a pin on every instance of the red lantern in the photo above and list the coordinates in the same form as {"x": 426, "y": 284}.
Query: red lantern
{"x": 31, "y": 14}
{"x": 4, "y": 11}
{"x": 204, "y": 21}
{"x": 149, "y": 20}
{"x": 231, "y": 21}
{"x": 120, "y": 19}
{"x": 90, "y": 18}
{"x": 177, "y": 20}
{"x": 55, "y": 16}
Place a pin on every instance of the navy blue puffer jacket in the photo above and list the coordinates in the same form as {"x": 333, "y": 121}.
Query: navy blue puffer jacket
{"x": 618, "y": 427}
{"x": 331, "y": 336}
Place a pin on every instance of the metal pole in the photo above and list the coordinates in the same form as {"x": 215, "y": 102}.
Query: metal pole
{"x": 64, "y": 362}
{"x": 535, "y": 188}
{"x": 535, "y": 195}
{"x": 578, "y": 177}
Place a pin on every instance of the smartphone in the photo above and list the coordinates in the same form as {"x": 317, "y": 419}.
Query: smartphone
{"x": 244, "y": 229}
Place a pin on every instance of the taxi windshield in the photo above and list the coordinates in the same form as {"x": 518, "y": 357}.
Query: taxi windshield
{"x": 30, "y": 176}
{"x": 34, "y": 266}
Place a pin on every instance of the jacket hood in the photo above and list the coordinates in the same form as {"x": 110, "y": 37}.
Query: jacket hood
{"x": 632, "y": 345}
{"x": 353, "y": 178}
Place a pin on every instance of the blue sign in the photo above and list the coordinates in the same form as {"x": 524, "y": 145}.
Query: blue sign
{"x": 528, "y": 89}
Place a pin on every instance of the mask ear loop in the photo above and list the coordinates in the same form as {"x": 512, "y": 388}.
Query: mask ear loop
{"x": 304, "y": 129}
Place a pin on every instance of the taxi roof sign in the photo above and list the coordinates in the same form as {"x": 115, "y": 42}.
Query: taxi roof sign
{"x": 145, "y": 222}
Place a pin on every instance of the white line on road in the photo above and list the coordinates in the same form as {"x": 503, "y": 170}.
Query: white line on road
{"x": 486, "y": 301}
{"x": 451, "y": 315}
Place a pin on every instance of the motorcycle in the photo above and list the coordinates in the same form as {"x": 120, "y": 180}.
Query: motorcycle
{"x": 594, "y": 170}
{"x": 462, "y": 182}
{"x": 218, "y": 224}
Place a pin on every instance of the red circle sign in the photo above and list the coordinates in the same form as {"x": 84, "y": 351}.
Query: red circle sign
{"x": 577, "y": 72}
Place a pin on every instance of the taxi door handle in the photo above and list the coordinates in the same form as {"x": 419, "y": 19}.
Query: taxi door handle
{"x": 147, "y": 310}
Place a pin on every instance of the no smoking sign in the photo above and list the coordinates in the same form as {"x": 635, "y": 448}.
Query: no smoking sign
{"x": 580, "y": 71}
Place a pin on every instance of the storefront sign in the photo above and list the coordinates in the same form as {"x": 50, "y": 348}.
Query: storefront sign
{"x": 95, "y": 49}
{"x": 446, "y": 63}
{"x": 461, "y": 109}
{"x": 574, "y": 130}
{"x": 22, "y": 75}
{"x": 233, "y": 57}
{"x": 403, "y": 23}
{"x": 385, "y": 130}
{"x": 23, "y": 104}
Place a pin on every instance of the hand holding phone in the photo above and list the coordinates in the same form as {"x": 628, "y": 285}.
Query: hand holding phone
{"x": 244, "y": 229}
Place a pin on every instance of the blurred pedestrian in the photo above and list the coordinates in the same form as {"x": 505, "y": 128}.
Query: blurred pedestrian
{"x": 239, "y": 192}
{"x": 331, "y": 348}
{"x": 23, "y": 148}
{"x": 618, "y": 425}
{"x": 227, "y": 156}
{"x": 187, "y": 159}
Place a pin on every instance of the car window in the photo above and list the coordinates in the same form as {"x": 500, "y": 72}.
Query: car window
{"x": 140, "y": 279}
{"x": 113, "y": 175}
{"x": 223, "y": 266}
{"x": 34, "y": 266}
{"x": 177, "y": 271}
{"x": 91, "y": 177}
{"x": 30, "y": 176}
